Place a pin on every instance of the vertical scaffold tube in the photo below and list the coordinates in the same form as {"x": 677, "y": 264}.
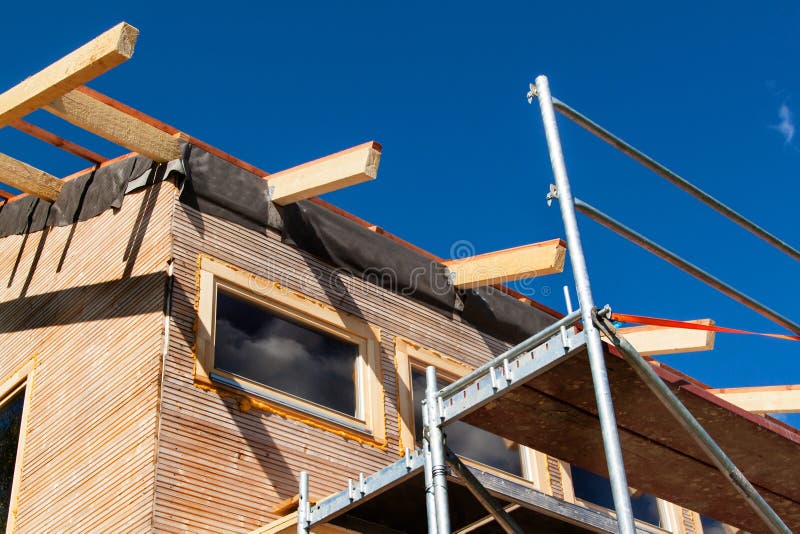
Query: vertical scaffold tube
{"x": 438, "y": 461}
{"x": 605, "y": 408}
{"x": 430, "y": 500}
{"x": 302, "y": 504}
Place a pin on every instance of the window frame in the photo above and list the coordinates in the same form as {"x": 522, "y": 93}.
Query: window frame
{"x": 20, "y": 379}
{"x": 369, "y": 419}
{"x": 409, "y": 354}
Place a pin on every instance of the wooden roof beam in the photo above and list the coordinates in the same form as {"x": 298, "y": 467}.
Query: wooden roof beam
{"x": 58, "y": 141}
{"x": 517, "y": 263}
{"x": 763, "y": 399}
{"x": 85, "y": 111}
{"x": 337, "y": 171}
{"x": 86, "y": 63}
{"x": 29, "y": 179}
{"x": 656, "y": 340}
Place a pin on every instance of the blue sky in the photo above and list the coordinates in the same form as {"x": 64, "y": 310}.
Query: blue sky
{"x": 709, "y": 89}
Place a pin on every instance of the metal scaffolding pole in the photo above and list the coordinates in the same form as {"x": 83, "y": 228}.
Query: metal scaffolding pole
{"x": 672, "y": 258}
{"x": 303, "y": 519}
{"x": 430, "y": 499}
{"x": 673, "y": 178}
{"x": 605, "y": 408}
{"x": 436, "y": 459}
{"x": 693, "y": 427}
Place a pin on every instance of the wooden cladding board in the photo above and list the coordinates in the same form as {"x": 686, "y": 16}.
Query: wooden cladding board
{"x": 85, "y": 303}
{"x": 222, "y": 469}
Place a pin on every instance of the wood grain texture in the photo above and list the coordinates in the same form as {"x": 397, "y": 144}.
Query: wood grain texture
{"x": 343, "y": 169}
{"x": 80, "y": 66}
{"x": 85, "y": 303}
{"x": 528, "y": 261}
{"x": 764, "y": 399}
{"x": 29, "y": 179}
{"x": 656, "y": 340}
{"x": 83, "y": 110}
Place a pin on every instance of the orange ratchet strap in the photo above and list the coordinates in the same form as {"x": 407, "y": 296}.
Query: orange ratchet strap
{"x": 654, "y": 321}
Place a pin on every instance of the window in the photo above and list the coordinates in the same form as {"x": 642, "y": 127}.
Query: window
{"x": 595, "y": 489}
{"x": 712, "y": 526}
{"x": 288, "y": 352}
{"x": 14, "y": 402}
{"x": 472, "y": 443}
{"x": 10, "y": 427}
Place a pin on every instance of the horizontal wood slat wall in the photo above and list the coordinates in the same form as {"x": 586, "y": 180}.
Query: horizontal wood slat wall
{"x": 221, "y": 469}
{"x": 86, "y": 303}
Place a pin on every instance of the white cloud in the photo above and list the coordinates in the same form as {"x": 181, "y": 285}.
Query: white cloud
{"x": 786, "y": 126}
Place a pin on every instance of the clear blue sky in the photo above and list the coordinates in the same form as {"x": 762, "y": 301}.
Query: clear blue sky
{"x": 707, "y": 88}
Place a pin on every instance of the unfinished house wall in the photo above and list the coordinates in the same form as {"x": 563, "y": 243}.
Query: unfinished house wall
{"x": 224, "y": 464}
{"x": 81, "y": 318}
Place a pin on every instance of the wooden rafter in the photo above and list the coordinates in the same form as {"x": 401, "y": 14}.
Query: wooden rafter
{"x": 517, "y": 263}
{"x": 339, "y": 170}
{"x": 55, "y": 140}
{"x": 655, "y": 340}
{"x": 29, "y": 179}
{"x": 164, "y": 127}
{"x": 763, "y": 399}
{"x": 84, "y": 64}
{"x": 99, "y": 118}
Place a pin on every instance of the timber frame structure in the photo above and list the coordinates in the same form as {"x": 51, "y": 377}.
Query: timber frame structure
{"x": 143, "y": 329}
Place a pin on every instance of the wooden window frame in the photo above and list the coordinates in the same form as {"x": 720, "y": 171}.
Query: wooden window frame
{"x": 369, "y": 420}
{"x": 22, "y": 378}
{"x": 409, "y": 354}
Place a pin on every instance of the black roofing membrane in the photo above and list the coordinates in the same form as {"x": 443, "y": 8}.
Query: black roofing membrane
{"x": 219, "y": 188}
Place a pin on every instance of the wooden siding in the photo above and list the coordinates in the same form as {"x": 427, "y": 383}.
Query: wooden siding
{"x": 554, "y": 472}
{"x": 221, "y": 469}
{"x": 85, "y": 303}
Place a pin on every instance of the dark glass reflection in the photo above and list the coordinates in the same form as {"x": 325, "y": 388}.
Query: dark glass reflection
{"x": 466, "y": 440}
{"x": 597, "y": 490}
{"x": 258, "y": 345}
{"x": 712, "y": 526}
{"x": 10, "y": 424}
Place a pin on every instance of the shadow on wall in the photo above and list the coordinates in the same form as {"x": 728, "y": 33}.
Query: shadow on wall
{"x": 251, "y": 425}
{"x": 102, "y": 300}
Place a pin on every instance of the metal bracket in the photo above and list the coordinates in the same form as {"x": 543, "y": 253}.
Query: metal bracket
{"x": 531, "y": 93}
{"x": 553, "y": 193}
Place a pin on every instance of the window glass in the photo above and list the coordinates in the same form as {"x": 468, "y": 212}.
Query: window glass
{"x": 466, "y": 440}
{"x": 597, "y": 490}
{"x": 712, "y": 526}
{"x": 10, "y": 424}
{"x": 259, "y": 345}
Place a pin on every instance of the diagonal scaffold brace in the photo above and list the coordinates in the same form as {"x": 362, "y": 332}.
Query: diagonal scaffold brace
{"x": 728, "y": 469}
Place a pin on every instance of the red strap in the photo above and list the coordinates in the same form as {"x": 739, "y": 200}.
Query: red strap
{"x": 639, "y": 319}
